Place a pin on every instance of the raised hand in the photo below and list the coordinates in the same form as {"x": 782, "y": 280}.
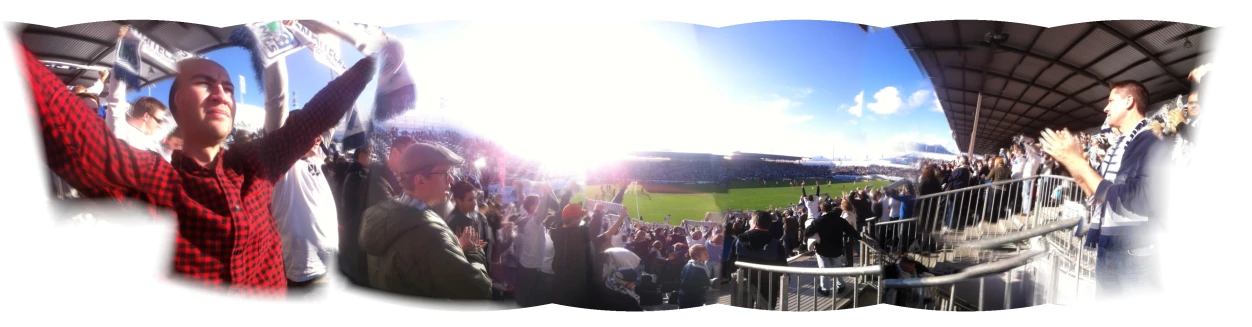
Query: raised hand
{"x": 1061, "y": 145}
{"x": 469, "y": 239}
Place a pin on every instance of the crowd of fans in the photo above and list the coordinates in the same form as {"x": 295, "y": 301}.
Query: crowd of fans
{"x": 409, "y": 212}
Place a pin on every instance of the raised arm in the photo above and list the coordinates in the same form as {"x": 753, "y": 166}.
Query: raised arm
{"x": 621, "y": 194}
{"x": 275, "y": 153}
{"x": 83, "y": 151}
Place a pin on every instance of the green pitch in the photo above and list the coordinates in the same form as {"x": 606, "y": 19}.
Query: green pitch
{"x": 691, "y": 202}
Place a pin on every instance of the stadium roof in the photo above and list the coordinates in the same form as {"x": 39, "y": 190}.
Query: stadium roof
{"x": 1033, "y": 78}
{"x": 93, "y": 44}
{"x": 757, "y": 156}
{"x": 673, "y": 155}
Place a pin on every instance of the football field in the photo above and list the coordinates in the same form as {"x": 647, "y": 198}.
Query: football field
{"x": 691, "y": 202}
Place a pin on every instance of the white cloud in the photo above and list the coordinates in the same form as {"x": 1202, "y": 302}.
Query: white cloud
{"x": 887, "y": 101}
{"x": 857, "y": 109}
{"x": 938, "y": 107}
{"x": 919, "y": 98}
{"x": 904, "y": 139}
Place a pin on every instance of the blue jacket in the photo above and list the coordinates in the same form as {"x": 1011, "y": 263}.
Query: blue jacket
{"x": 695, "y": 282}
{"x": 1131, "y": 199}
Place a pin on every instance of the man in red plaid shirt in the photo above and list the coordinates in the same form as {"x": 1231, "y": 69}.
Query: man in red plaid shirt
{"x": 227, "y": 238}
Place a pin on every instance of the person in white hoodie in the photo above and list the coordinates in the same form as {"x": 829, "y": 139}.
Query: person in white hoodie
{"x": 534, "y": 249}
{"x": 307, "y": 218}
{"x": 1034, "y": 158}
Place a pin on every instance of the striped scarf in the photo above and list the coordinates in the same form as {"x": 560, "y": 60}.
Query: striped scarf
{"x": 613, "y": 285}
{"x": 1108, "y": 170}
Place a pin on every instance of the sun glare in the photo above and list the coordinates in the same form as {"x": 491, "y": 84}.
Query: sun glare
{"x": 570, "y": 95}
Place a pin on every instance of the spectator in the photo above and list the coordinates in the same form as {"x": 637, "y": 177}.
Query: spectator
{"x": 236, "y": 244}
{"x": 695, "y": 279}
{"x": 831, "y": 230}
{"x": 756, "y": 246}
{"x": 620, "y": 294}
{"x": 304, "y": 210}
{"x": 411, "y": 250}
{"x": 1122, "y": 191}
{"x": 353, "y": 262}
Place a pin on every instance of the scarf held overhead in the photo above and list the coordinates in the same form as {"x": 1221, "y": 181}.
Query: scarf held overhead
{"x": 133, "y": 47}
{"x": 396, "y": 92}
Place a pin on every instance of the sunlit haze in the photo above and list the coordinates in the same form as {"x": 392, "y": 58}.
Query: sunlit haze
{"x": 798, "y": 88}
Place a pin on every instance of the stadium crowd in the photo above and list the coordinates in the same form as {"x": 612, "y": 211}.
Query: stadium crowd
{"x": 410, "y": 213}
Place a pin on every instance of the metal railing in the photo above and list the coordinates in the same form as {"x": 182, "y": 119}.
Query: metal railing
{"x": 978, "y": 233}
{"x": 940, "y": 221}
{"x": 1041, "y": 251}
{"x": 771, "y": 287}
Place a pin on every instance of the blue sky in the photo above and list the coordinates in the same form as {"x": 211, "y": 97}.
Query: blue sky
{"x": 804, "y": 88}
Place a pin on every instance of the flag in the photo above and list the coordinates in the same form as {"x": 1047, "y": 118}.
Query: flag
{"x": 355, "y": 136}
{"x": 128, "y": 63}
{"x": 243, "y": 85}
{"x": 267, "y": 42}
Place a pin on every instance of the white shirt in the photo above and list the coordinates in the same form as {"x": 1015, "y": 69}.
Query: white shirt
{"x": 813, "y": 207}
{"x": 137, "y": 139}
{"x": 549, "y": 253}
{"x": 304, "y": 209}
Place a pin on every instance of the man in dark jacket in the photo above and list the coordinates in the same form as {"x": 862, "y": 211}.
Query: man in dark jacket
{"x": 1125, "y": 192}
{"x": 365, "y": 187}
{"x": 830, "y": 253}
{"x": 411, "y": 250}
{"x": 958, "y": 204}
{"x": 383, "y": 183}
{"x": 757, "y": 246}
{"x": 352, "y": 259}
{"x": 619, "y": 291}
{"x": 573, "y": 265}
{"x": 466, "y": 215}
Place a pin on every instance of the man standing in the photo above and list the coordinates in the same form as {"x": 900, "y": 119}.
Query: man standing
{"x": 832, "y": 230}
{"x": 226, "y": 236}
{"x": 757, "y": 246}
{"x": 411, "y": 250}
{"x": 304, "y": 209}
{"x": 352, "y": 259}
{"x": 383, "y": 183}
{"x": 465, "y": 214}
{"x": 1123, "y": 193}
{"x": 145, "y": 117}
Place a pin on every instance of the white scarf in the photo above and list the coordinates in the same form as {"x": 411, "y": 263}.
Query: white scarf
{"x": 613, "y": 285}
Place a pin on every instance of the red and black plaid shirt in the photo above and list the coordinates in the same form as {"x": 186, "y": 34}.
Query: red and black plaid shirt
{"x": 227, "y": 238}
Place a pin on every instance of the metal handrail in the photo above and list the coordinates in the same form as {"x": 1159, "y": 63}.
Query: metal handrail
{"x": 897, "y": 221}
{"x": 1021, "y": 236}
{"x": 982, "y": 270}
{"x": 829, "y": 272}
{"x": 935, "y": 195}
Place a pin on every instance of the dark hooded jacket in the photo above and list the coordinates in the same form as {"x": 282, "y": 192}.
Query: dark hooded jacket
{"x": 412, "y": 251}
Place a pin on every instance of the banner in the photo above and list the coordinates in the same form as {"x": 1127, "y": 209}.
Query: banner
{"x": 704, "y": 226}
{"x": 273, "y": 41}
{"x": 609, "y": 207}
{"x": 326, "y": 47}
{"x": 505, "y": 192}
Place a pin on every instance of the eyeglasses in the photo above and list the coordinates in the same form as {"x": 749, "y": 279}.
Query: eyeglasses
{"x": 450, "y": 174}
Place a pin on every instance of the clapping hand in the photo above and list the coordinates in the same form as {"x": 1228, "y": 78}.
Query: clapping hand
{"x": 469, "y": 239}
{"x": 1061, "y": 145}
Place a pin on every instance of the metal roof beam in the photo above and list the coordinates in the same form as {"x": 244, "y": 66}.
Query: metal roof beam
{"x": 1053, "y": 62}
{"x": 1144, "y": 51}
{"x": 1007, "y": 113}
{"x": 75, "y": 37}
{"x": 1019, "y": 80}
